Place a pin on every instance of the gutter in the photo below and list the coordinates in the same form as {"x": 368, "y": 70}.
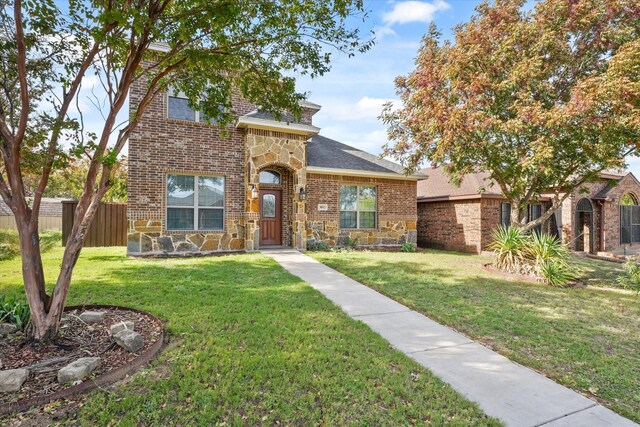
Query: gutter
{"x": 252, "y": 122}
{"x": 362, "y": 173}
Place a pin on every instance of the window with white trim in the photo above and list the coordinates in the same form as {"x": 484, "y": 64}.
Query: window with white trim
{"x": 358, "y": 206}
{"x": 195, "y": 202}
{"x": 178, "y": 108}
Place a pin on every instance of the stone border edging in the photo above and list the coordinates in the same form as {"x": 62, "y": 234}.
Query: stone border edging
{"x": 90, "y": 384}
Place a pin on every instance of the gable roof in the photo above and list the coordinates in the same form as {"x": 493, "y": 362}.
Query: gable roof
{"x": 50, "y": 206}
{"x": 603, "y": 194}
{"x": 438, "y": 185}
{"x": 326, "y": 155}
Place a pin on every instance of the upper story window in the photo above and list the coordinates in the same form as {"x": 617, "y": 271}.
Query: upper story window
{"x": 269, "y": 177}
{"x": 195, "y": 202}
{"x": 178, "y": 108}
{"x": 358, "y": 205}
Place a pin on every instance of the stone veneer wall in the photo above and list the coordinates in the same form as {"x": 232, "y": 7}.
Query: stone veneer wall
{"x": 266, "y": 149}
{"x": 396, "y": 211}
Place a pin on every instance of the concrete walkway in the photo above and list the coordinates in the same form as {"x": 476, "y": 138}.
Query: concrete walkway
{"x": 516, "y": 395}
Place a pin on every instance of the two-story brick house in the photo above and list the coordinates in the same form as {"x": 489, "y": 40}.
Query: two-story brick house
{"x": 195, "y": 189}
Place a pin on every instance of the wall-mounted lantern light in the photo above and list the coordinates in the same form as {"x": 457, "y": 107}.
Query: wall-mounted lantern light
{"x": 303, "y": 194}
{"x": 254, "y": 192}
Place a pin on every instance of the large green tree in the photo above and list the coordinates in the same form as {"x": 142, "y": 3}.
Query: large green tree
{"x": 206, "y": 48}
{"x": 542, "y": 98}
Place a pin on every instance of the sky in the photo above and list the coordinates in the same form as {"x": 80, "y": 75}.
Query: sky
{"x": 352, "y": 93}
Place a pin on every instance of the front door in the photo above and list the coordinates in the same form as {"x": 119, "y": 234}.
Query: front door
{"x": 270, "y": 217}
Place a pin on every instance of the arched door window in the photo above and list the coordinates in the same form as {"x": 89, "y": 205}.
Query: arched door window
{"x": 269, "y": 177}
{"x": 629, "y": 219}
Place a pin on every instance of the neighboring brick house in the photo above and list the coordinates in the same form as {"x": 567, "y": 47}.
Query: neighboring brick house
{"x": 600, "y": 217}
{"x": 266, "y": 182}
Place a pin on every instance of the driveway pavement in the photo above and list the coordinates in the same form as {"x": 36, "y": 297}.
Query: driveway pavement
{"x": 506, "y": 390}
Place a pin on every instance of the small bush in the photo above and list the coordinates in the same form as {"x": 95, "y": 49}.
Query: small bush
{"x": 555, "y": 273}
{"x": 539, "y": 255}
{"x": 631, "y": 277}
{"x": 14, "y": 312}
{"x": 408, "y": 247}
{"x": 10, "y": 245}
{"x": 507, "y": 245}
{"x": 318, "y": 245}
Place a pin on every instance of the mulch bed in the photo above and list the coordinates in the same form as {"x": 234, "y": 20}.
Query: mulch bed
{"x": 77, "y": 339}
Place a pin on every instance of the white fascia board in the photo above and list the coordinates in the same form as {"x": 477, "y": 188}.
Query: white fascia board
{"x": 355, "y": 172}
{"x": 246, "y": 122}
{"x": 310, "y": 105}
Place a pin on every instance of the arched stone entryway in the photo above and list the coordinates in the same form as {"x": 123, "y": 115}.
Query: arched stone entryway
{"x": 283, "y": 153}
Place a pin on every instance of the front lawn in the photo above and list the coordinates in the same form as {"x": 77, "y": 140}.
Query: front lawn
{"x": 250, "y": 344}
{"x": 587, "y": 339}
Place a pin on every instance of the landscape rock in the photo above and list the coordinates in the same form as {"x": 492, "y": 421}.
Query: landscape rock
{"x": 121, "y": 326}
{"x": 78, "y": 370}
{"x": 92, "y": 316}
{"x": 7, "y": 328}
{"x": 12, "y": 379}
{"x": 129, "y": 340}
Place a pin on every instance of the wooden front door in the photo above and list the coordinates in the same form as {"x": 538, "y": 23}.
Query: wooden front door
{"x": 270, "y": 217}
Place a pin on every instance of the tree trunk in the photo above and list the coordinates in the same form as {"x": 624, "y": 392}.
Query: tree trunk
{"x": 46, "y": 311}
{"x": 518, "y": 215}
{"x": 33, "y": 277}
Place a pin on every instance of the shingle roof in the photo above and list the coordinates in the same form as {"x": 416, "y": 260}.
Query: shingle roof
{"x": 328, "y": 153}
{"x": 265, "y": 115}
{"x": 49, "y": 206}
{"x": 438, "y": 184}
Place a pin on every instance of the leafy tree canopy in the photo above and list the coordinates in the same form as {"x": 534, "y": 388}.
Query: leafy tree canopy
{"x": 543, "y": 99}
{"x": 208, "y": 49}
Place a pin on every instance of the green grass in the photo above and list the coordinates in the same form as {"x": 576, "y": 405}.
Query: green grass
{"x": 250, "y": 344}
{"x": 587, "y": 339}
{"x": 596, "y": 272}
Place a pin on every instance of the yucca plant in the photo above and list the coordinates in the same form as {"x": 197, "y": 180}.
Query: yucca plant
{"x": 14, "y": 312}
{"x": 555, "y": 272}
{"x": 545, "y": 247}
{"x": 508, "y": 246}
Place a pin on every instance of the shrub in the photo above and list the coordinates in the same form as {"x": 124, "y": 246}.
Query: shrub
{"x": 545, "y": 247}
{"x": 540, "y": 255}
{"x": 555, "y": 272}
{"x": 507, "y": 246}
{"x": 14, "y": 312}
{"x": 631, "y": 277}
{"x": 408, "y": 247}
{"x": 318, "y": 245}
{"x": 10, "y": 245}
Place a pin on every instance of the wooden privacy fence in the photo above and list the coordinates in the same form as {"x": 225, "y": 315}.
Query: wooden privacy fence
{"x": 109, "y": 226}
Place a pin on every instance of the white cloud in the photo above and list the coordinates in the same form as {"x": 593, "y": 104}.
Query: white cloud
{"x": 381, "y": 32}
{"x": 413, "y": 11}
{"x": 365, "y": 108}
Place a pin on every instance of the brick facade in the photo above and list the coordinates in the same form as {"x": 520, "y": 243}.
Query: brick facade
{"x": 160, "y": 146}
{"x": 396, "y": 211}
{"x": 466, "y": 225}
